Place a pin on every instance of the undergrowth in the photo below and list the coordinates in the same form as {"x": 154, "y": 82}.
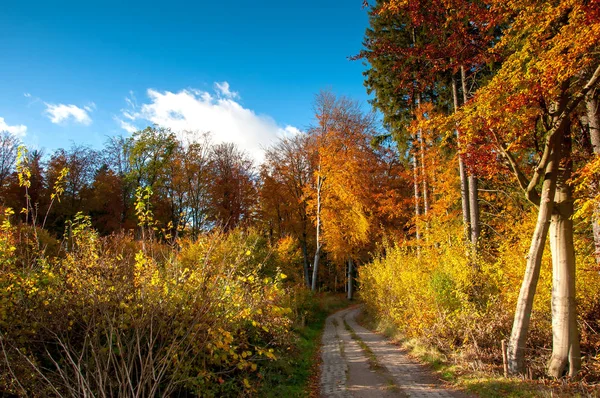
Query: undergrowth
{"x": 152, "y": 315}
{"x": 482, "y": 380}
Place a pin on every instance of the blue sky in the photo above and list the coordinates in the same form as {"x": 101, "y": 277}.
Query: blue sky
{"x": 76, "y": 71}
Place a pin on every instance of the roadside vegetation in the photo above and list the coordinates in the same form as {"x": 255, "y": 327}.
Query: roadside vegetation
{"x": 466, "y": 213}
{"x": 494, "y": 108}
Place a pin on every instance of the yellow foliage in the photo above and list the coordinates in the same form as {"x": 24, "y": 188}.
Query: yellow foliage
{"x": 451, "y": 301}
{"x": 211, "y": 311}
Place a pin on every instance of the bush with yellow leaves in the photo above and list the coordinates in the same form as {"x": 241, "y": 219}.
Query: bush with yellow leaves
{"x": 465, "y": 305}
{"x": 118, "y": 317}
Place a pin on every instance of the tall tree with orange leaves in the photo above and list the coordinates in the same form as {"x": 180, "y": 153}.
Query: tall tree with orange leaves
{"x": 522, "y": 112}
{"x": 418, "y": 51}
{"x": 350, "y": 178}
{"x": 285, "y": 174}
{"x": 550, "y": 67}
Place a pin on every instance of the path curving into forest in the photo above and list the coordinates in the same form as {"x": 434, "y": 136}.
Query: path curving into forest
{"x": 361, "y": 364}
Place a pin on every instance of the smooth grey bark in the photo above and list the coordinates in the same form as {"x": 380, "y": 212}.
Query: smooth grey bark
{"x": 318, "y": 249}
{"x": 548, "y": 168}
{"x": 518, "y": 336}
{"x": 473, "y": 183}
{"x": 565, "y": 341}
{"x": 592, "y": 106}
{"x": 350, "y": 278}
{"x": 464, "y": 183}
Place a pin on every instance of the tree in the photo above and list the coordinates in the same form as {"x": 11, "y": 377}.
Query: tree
{"x": 8, "y": 155}
{"x": 285, "y": 174}
{"x": 106, "y": 205}
{"x": 592, "y": 120}
{"x": 414, "y": 48}
{"x": 81, "y": 162}
{"x": 197, "y": 175}
{"x": 150, "y": 153}
{"x": 28, "y": 200}
{"x": 233, "y": 189}
{"x": 549, "y": 69}
{"x": 336, "y": 117}
{"x": 349, "y": 176}
{"x": 116, "y": 154}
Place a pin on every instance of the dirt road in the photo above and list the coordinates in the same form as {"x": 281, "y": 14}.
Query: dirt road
{"x": 359, "y": 363}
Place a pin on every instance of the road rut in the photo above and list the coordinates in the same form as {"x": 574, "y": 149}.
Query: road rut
{"x": 361, "y": 364}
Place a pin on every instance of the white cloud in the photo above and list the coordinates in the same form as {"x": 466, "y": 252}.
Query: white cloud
{"x": 27, "y": 95}
{"x": 290, "y": 131}
{"x": 199, "y": 111}
{"x": 130, "y": 128}
{"x": 131, "y": 100}
{"x": 224, "y": 91}
{"x": 18, "y": 130}
{"x": 61, "y": 113}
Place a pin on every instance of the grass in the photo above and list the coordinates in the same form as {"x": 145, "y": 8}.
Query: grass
{"x": 293, "y": 375}
{"x": 371, "y": 357}
{"x": 373, "y": 362}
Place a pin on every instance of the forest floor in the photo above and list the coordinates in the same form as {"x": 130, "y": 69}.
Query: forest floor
{"x": 357, "y": 362}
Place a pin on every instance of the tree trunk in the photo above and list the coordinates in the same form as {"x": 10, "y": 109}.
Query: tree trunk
{"x": 423, "y": 171}
{"x": 565, "y": 342}
{"x": 473, "y": 184}
{"x": 318, "y": 249}
{"x": 474, "y": 210}
{"x": 417, "y": 201}
{"x": 593, "y": 115}
{"x": 350, "y": 278}
{"x": 464, "y": 183}
{"x": 305, "y": 258}
{"x": 518, "y": 337}
{"x": 315, "y": 268}
{"x": 423, "y": 174}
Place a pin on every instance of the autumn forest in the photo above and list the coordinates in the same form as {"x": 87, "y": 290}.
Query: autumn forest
{"x": 460, "y": 209}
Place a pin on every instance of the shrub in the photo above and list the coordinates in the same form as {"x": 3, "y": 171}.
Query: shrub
{"x": 118, "y": 317}
{"x": 466, "y": 305}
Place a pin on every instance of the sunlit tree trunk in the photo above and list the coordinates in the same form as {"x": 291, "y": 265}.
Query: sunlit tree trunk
{"x": 423, "y": 174}
{"x": 464, "y": 183}
{"x": 518, "y": 337}
{"x": 318, "y": 240}
{"x": 565, "y": 342}
{"x": 474, "y": 209}
{"x": 593, "y": 115}
{"x": 350, "y": 278}
{"x": 423, "y": 167}
{"x": 557, "y": 149}
{"x": 417, "y": 199}
{"x": 473, "y": 183}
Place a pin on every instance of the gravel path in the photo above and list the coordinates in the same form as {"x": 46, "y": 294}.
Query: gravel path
{"x": 359, "y": 363}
